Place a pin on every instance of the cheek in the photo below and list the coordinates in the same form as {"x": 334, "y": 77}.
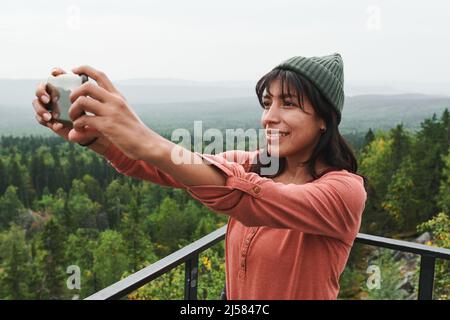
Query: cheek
{"x": 301, "y": 135}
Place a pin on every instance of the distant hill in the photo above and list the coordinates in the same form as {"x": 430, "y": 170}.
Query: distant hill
{"x": 18, "y": 92}
{"x": 165, "y": 104}
{"x": 385, "y": 111}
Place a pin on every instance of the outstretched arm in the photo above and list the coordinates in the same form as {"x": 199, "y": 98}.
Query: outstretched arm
{"x": 116, "y": 120}
{"x": 140, "y": 169}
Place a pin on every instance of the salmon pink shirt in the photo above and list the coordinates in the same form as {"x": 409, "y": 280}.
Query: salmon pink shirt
{"x": 283, "y": 241}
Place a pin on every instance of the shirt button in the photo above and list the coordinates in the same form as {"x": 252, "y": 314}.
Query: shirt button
{"x": 241, "y": 274}
{"x": 256, "y": 189}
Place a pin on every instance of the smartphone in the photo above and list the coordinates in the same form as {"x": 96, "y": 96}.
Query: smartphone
{"x": 59, "y": 88}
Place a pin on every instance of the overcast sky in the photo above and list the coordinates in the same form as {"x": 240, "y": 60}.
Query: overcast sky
{"x": 382, "y": 42}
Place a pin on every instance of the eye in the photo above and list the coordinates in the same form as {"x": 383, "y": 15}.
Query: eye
{"x": 289, "y": 104}
{"x": 266, "y": 104}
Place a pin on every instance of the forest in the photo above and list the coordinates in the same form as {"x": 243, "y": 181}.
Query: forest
{"x": 62, "y": 205}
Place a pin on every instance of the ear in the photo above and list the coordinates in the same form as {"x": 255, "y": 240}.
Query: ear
{"x": 322, "y": 124}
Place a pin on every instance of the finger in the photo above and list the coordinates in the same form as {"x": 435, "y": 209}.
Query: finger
{"x": 42, "y": 94}
{"x": 41, "y": 111}
{"x": 56, "y": 126}
{"x": 56, "y": 71}
{"x": 52, "y": 125}
{"x": 93, "y": 122}
{"x": 40, "y": 120}
{"x": 83, "y": 104}
{"x": 92, "y": 90}
{"x": 88, "y": 131}
{"x": 99, "y": 76}
{"x": 41, "y": 91}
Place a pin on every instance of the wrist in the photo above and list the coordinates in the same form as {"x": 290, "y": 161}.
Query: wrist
{"x": 99, "y": 144}
{"x": 90, "y": 142}
{"x": 156, "y": 150}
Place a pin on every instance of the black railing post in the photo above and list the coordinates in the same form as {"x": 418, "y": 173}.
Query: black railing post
{"x": 426, "y": 278}
{"x": 191, "y": 278}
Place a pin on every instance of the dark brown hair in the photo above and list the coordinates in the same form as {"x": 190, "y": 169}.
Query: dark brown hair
{"x": 332, "y": 147}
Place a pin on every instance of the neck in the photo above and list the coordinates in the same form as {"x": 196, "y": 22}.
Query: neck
{"x": 297, "y": 171}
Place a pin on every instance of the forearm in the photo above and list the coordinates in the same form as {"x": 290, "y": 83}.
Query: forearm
{"x": 157, "y": 151}
{"x": 191, "y": 171}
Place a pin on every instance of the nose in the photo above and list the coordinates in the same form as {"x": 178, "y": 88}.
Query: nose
{"x": 271, "y": 115}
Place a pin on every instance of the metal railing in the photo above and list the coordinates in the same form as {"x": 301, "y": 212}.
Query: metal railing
{"x": 189, "y": 255}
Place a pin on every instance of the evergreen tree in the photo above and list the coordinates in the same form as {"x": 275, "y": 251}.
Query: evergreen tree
{"x": 139, "y": 248}
{"x": 400, "y": 144}
{"x": 375, "y": 163}
{"x": 53, "y": 263}
{"x": 110, "y": 258}
{"x": 82, "y": 210}
{"x": 150, "y": 195}
{"x": 431, "y": 144}
{"x": 57, "y": 179}
{"x": 3, "y": 177}
{"x": 192, "y": 213}
{"x": 11, "y": 208}
{"x": 80, "y": 252}
{"x": 117, "y": 198}
{"x": 92, "y": 188}
{"x": 169, "y": 227}
{"x": 18, "y": 178}
{"x": 400, "y": 201}
{"x": 41, "y": 168}
{"x": 14, "y": 264}
{"x": 368, "y": 138}
{"x": 443, "y": 199}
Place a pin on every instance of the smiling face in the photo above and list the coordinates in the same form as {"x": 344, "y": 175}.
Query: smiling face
{"x": 299, "y": 130}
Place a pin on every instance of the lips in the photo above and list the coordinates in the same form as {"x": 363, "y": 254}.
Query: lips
{"x": 272, "y": 134}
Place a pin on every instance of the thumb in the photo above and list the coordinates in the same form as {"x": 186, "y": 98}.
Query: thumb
{"x": 82, "y": 135}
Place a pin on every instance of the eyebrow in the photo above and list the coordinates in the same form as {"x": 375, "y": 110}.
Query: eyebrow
{"x": 282, "y": 96}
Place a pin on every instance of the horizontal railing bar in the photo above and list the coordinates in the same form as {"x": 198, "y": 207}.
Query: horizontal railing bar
{"x": 153, "y": 271}
{"x": 402, "y": 245}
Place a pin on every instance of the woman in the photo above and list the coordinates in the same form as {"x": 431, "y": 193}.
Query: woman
{"x": 289, "y": 234}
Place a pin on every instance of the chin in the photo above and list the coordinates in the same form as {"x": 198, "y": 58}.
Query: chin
{"x": 278, "y": 151}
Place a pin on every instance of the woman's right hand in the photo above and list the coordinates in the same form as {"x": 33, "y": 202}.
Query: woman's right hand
{"x": 44, "y": 117}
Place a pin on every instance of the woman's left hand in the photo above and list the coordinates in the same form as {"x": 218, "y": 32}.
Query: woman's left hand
{"x": 112, "y": 115}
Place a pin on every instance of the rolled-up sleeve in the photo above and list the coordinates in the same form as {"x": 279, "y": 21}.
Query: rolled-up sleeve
{"x": 330, "y": 206}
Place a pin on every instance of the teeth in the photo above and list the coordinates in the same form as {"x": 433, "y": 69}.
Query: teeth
{"x": 277, "y": 134}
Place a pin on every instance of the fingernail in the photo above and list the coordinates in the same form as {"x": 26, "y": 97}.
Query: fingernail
{"x": 47, "y": 116}
{"x": 45, "y": 99}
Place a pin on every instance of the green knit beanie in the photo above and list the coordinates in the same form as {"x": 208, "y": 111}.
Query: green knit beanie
{"x": 326, "y": 73}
